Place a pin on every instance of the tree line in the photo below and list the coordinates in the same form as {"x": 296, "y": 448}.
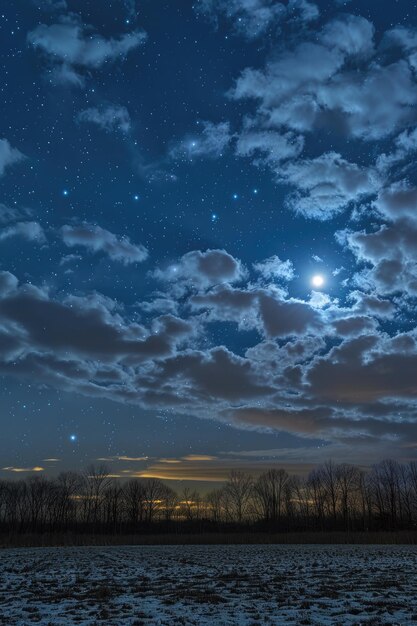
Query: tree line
{"x": 332, "y": 497}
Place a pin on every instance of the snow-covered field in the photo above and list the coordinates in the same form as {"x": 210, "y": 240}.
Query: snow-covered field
{"x": 209, "y": 585}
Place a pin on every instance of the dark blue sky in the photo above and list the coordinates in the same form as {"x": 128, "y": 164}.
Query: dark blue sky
{"x": 172, "y": 177}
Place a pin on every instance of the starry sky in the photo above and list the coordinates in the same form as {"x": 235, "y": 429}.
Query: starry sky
{"x": 208, "y": 231}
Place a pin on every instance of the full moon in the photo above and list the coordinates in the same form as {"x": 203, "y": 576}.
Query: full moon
{"x": 317, "y": 281}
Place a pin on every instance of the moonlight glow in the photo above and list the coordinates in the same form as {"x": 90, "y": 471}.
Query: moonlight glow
{"x": 317, "y": 281}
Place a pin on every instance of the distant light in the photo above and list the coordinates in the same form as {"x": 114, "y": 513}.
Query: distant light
{"x": 317, "y": 281}
{"x": 73, "y": 437}
{"x": 255, "y": 191}
{"x": 214, "y": 217}
{"x": 65, "y": 192}
{"x": 136, "y": 197}
{"x": 235, "y": 196}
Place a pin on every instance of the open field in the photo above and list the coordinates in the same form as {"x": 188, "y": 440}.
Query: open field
{"x": 206, "y": 585}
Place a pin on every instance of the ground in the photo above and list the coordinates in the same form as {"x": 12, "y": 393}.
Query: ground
{"x": 209, "y": 585}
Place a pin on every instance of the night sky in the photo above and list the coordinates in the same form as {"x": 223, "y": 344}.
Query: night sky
{"x": 208, "y": 231}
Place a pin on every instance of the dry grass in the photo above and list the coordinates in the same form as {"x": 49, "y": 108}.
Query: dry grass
{"x": 314, "y": 538}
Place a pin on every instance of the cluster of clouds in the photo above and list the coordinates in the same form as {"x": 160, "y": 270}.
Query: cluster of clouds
{"x": 15, "y": 222}
{"x": 318, "y": 369}
{"x": 324, "y": 372}
{"x": 8, "y": 155}
{"x": 335, "y": 80}
{"x": 96, "y": 239}
{"x": 332, "y": 83}
{"x": 254, "y": 18}
{"x": 92, "y": 238}
{"x": 110, "y": 118}
{"x": 72, "y": 49}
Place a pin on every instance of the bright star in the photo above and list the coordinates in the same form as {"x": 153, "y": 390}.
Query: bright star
{"x": 73, "y": 437}
{"x": 214, "y": 217}
{"x": 65, "y": 192}
{"x": 317, "y": 281}
{"x": 235, "y": 196}
{"x": 136, "y": 197}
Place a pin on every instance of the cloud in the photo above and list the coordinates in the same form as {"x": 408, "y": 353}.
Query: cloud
{"x": 211, "y": 141}
{"x": 8, "y": 155}
{"x": 217, "y": 374}
{"x": 371, "y": 304}
{"x": 51, "y": 5}
{"x": 274, "y": 268}
{"x": 265, "y": 310}
{"x": 352, "y": 34}
{"x": 97, "y": 239}
{"x": 405, "y": 146}
{"x": 308, "y": 358}
{"x": 8, "y": 283}
{"x": 269, "y": 147}
{"x": 11, "y": 214}
{"x": 72, "y": 47}
{"x": 333, "y": 82}
{"x": 365, "y": 369}
{"x": 321, "y": 423}
{"x": 202, "y": 269}
{"x": 90, "y": 328}
{"x": 327, "y": 185}
{"x": 295, "y": 351}
{"x": 289, "y": 73}
{"x": 23, "y": 470}
{"x": 398, "y": 201}
{"x": 109, "y": 118}
{"x": 391, "y": 250}
{"x": 128, "y": 459}
{"x": 252, "y": 18}
{"x": 199, "y": 457}
{"x": 355, "y": 325}
{"x": 283, "y": 318}
{"x": 66, "y": 75}
{"x": 31, "y": 231}
{"x": 373, "y": 104}
{"x": 313, "y": 86}
{"x": 224, "y": 303}
{"x": 159, "y": 304}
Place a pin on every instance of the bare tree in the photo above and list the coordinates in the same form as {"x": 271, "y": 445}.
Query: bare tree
{"x": 134, "y": 495}
{"x": 216, "y": 505}
{"x": 238, "y": 492}
{"x": 154, "y": 497}
{"x": 96, "y": 481}
{"x": 272, "y": 492}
